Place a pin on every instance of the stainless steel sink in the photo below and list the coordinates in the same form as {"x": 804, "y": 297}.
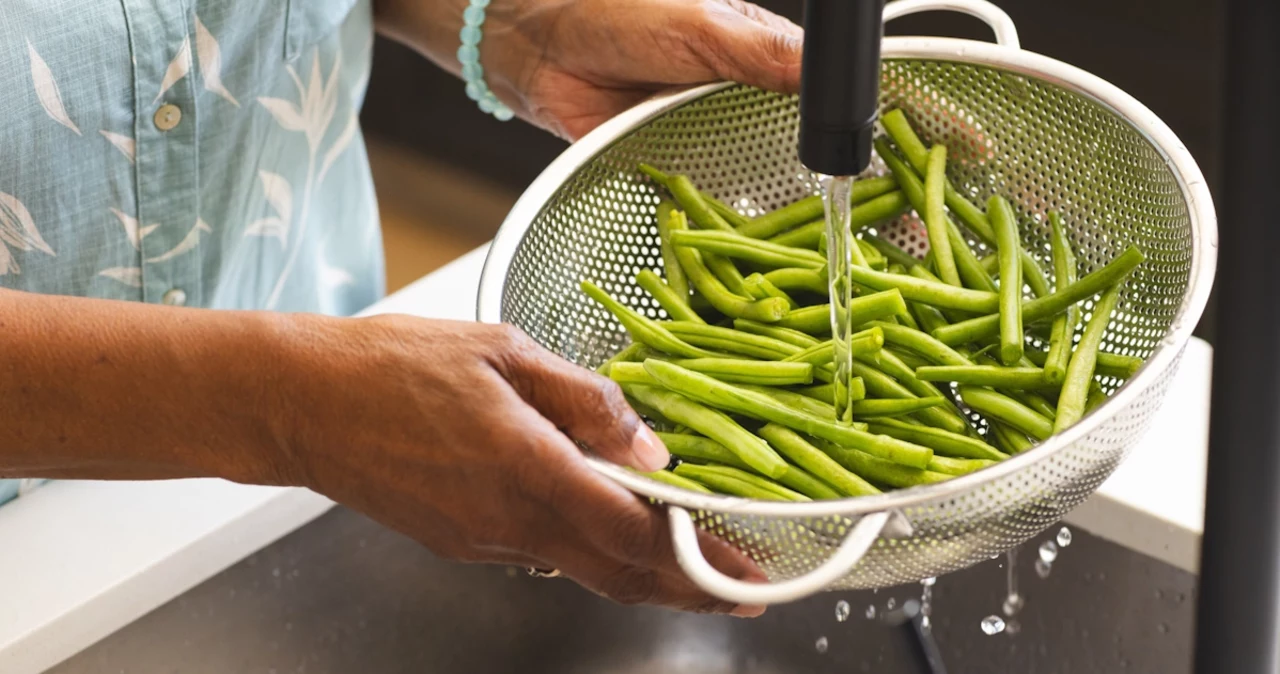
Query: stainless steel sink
{"x": 345, "y": 596}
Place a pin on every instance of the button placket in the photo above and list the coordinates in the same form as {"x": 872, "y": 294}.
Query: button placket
{"x": 167, "y": 155}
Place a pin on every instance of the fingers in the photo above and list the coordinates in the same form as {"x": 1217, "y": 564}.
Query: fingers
{"x": 586, "y": 406}
{"x": 752, "y": 46}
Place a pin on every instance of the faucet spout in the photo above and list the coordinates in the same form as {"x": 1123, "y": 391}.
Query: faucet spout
{"x": 840, "y": 84}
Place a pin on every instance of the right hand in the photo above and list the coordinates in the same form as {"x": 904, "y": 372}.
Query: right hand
{"x": 458, "y": 435}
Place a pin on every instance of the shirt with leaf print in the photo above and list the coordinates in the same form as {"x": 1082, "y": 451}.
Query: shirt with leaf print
{"x": 206, "y": 153}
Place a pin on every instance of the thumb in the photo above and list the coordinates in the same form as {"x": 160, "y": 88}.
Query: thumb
{"x": 588, "y": 408}
{"x": 748, "y": 45}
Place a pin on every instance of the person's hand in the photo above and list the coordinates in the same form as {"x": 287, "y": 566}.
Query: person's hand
{"x": 569, "y": 65}
{"x": 458, "y": 435}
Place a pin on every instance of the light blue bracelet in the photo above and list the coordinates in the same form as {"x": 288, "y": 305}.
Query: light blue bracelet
{"x": 469, "y": 57}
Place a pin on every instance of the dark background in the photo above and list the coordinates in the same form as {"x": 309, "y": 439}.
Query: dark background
{"x": 1164, "y": 53}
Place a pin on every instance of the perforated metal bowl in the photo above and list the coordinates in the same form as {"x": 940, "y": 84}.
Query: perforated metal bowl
{"x": 1045, "y": 134}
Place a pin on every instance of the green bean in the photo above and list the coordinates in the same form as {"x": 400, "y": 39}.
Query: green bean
{"x": 957, "y": 467}
{"x": 1005, "y": 409}
{"x": 941, "y": 441}
{"x": 791, "y": 445}
{"x": 632, "y": 373}
{"x": 986, "y": 375}
{"x": 827, "y": 392}
{"x": 810, "y": 209}
{"x": 666, "y": 297}
{"x": 676, "y": 278}
{"x": 894, "y": 407}
{"x": 763, "y": 253}
{"x": 920, "y": 290}
{"x": 760, "y": 288}
{"x": 726, "y": 396}
{"x": 921, "y": 343}
{"x": 1109, "y": 364}
{"x": 909, "y": 358}
{"x": 1075, "y": 388}
{"x": 643, "y": 329}
{"x": 779, "y": 333}
{"x": 731, "y": 216}
{"x": 918, "y": 155}
{"x": 872, "y": 256}
{"x": 1026, "y": 396}
{"x": 1050, "y": 305}
{"x": 727, "y": 303}
{"x": 1006, "y": 227}
{"x": 891, "y": 252}
{"x": 884, "y": 207}
{"x": 929, "y": 318}
{"x": 628, "y": 354}
{"x": 1062, "y": 335}
{"x": 935, "y": 216}
{"x": 816, "y": 320}
{"x": 882, "y": 385}
{"x": 795, "y": 479}
{"x": 734, "y": 484}
{"x": 727, "y": 272}
{"x": 701, "y": 450}
{"x": 1096, "y": 397}
{"x": 1010, "y": 440}
{"x": 712, "y": 423}
{"x": 670, "y": 478}
{"x": 793, "y": 475}
{"x": 811, "y": 280}
{"x": 758, "y": 372}
{"x": 728, "y": 340}
{"x": 798, "y": 402}
{"x": 823, "y": 354}
{"x": 692, "y": 203}
{"x": 878, "y": 470}
{"x": 991, "y": 263}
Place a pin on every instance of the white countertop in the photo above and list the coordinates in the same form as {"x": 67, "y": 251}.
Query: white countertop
{"x": 79, "y": 560}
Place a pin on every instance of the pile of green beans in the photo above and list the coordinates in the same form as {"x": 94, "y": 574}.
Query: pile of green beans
{"x": 739, "y": 378}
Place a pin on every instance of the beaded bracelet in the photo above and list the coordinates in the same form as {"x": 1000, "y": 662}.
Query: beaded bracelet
{"x": 472, "y": 71}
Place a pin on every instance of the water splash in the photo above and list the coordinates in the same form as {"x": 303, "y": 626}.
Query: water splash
{"x": 926, "y": 602}
{"x": 992, "y": 625}
{"x": 1048, "y": 552}
{"x": 1013, "y": 601}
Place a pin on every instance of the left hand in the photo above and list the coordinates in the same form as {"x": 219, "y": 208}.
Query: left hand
{"x": 569, "y": 65}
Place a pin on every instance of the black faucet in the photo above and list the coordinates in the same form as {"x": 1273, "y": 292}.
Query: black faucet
{"x": 840, "y": 84}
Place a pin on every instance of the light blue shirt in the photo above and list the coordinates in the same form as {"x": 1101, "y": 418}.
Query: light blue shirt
{"x": 204, "y": 153}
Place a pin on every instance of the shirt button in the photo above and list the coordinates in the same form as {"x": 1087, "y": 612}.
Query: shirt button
{"x": 168, "y": 117}
{"x": 174, "y": 298}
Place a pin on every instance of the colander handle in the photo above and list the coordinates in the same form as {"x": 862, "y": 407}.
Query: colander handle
{"x": 1001, "y": 24}
{"x": 684, "y": 535}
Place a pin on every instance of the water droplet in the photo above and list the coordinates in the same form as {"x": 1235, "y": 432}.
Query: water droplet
{"x": 1064, "y": 537}
{"x": 1163, "y": 628}
{"x": 871, "y": 612}
{"x": 891, "y": 603}
{"x": 842, "y": 611}
{"x": 1013, "y": 627}
{"x": 1048, "y": 552}
{"x": 821, "y": 645}
{"x": 1013, "y": 604}
{"x": 1043, "y": 568}
{"x": 929, "y": 582}
{"x": 992, "y": 624}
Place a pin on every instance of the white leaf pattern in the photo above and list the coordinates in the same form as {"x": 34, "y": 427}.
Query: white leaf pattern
{"x": 210, "y": 55}
{"x": 187, "y": 244}
{"x": 285, "y": 112}
{"x": 279, "y": 193}
{"x": 124, "y": 144}
{"x": 18, "y": 229}
{"x": 47, "y": 90}
{"x": 130, "y": 276}
{"x": 178, "y": 68}
{"x": 136, "y": 234}
{"x": 7, "y": 263}
{"x": 268, "y": 227}
{"x": 339, "y": 144}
